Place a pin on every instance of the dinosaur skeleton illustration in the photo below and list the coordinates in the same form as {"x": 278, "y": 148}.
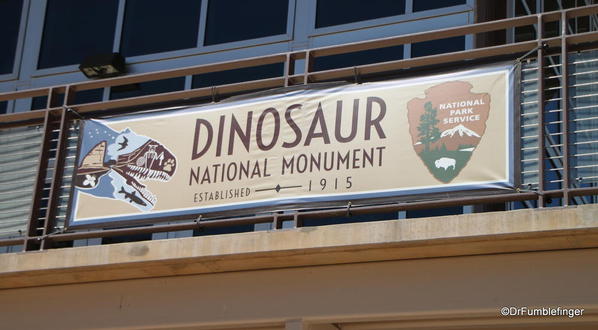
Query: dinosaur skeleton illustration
{"x": 150, "y": 161}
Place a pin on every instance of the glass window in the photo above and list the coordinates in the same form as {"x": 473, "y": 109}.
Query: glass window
{"x": 238, "y": 75}
{"x": 3, "y": 107}
{"x": 419, "y": 5}
{"x": 358, "y": 58}
{"x": 89, "y": 96}
{"x": 154, "y": 26}
{"x": 39, "y": 102}
{"x": 234, "y": 20}
{"x": 147, "y": 88}
{"x": 10, "y": 18}
{"x": 335, "y": 12}
{"x": 523, "y": 8}
{"x": 440, "y": 46}
{"x": 75, "y": 29}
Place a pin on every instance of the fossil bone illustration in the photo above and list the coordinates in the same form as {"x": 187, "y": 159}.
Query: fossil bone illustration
{"x": 120, "y": 170}
{"x": 145, "y": 163}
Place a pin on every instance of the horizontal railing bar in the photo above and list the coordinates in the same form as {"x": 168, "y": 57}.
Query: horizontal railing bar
{"x": 585, "y": 166}
{"x": 357, "y": 210}
{"x": 586, "y": 130}
{"x": 178, "y": 95}
{"x": 194, "y": 70}
{"x": 585, "y": 154}
{"x": 585, "y": 142}
{"x": 426, "y": 60}
{"x": 12, "y": 241}
{"x": 27, "y": 93}
{"x": 13, "y": 211}
{"x": 426, "y": 36}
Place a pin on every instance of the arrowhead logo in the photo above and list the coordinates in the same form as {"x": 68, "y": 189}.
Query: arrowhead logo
{"x": 446, "y": 127}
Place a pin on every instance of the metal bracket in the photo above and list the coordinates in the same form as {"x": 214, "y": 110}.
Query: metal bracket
{"x": 67, "y": 109}
{"x": 529, "y": 189}
{"x": 198, "y": 221}
{"x": 214, "y": 95}
{"x": 349, "y": 209}
{"x": 544, "y": 45}
{"x": 356, "y": 75}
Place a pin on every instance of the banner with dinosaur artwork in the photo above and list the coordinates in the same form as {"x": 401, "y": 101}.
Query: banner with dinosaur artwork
{"x": 394, "y": 140}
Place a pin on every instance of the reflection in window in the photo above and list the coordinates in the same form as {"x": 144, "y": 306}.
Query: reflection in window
{"x": 335, "y": 12}
{"x": 39, "y": 102}
{"x": 238, "y": 75}
{"x": 523, "y": 8}
{"x": 440, "y": 46}
{"x": 75, "y": 29}
{"x": 89, "y": 96}
{"x": 419, "y": 5}
{"x": 153, "y": 26}
{"x": 234, "y": 20}
{"x": 10, "y": 17}
{"x": 358, "y": 58}
{"x": 147, "y": 88}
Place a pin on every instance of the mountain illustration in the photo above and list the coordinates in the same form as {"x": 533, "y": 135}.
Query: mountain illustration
{"x": 459, "y": 129}
{"x": 455, "y": 138}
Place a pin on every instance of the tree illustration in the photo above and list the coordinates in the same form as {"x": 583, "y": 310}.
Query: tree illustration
{"x": 428, "y": 131}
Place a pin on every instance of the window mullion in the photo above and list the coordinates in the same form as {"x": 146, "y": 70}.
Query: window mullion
{"x": 120, "y": 19}
{"x": 203, "y": 21}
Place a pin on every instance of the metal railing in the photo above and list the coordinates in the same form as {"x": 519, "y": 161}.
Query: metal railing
{"x": 559, "y": 126}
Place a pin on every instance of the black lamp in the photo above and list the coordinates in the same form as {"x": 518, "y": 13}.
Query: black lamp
{"x": 103, "y": 65}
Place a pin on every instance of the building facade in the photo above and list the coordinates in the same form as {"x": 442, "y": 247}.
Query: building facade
{"x": 450, "y": 261}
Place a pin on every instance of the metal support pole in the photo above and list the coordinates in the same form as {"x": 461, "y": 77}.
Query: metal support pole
{"x": 289, "y": 66}
{"x": 308, "y": 67}
{"x": 57, "y": 172}
{"x": 38, "y": 189}
{"x": 540, "y": 63}
{"x": 565, "y": 107}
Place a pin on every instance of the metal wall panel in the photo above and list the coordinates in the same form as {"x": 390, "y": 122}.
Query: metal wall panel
{"x": 19, "y": 156}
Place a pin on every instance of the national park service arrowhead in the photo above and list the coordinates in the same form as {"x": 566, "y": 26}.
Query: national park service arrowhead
{"x": 446, "y": 127}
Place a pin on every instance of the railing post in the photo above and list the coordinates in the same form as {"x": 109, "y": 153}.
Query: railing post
{"x": 57, "y": 173}
{"x": 308, "y": 67}
{"x": 31, "y": 242}
{"x": 565, "y": 107}
{"x": 540, "y": 63}
{"x": 289, "y": 67}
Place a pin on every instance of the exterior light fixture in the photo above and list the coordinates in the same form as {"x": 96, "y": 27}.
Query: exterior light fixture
{"x": 103, "y": 65}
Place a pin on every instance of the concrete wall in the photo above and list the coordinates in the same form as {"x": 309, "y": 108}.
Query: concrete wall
{"x": 477, "y": 233}
{"x": 429, "y": 273}
{"x": 462, "y": 291}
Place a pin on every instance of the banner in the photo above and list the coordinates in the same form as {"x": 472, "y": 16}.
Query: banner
{"x": 373, "y": 141}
